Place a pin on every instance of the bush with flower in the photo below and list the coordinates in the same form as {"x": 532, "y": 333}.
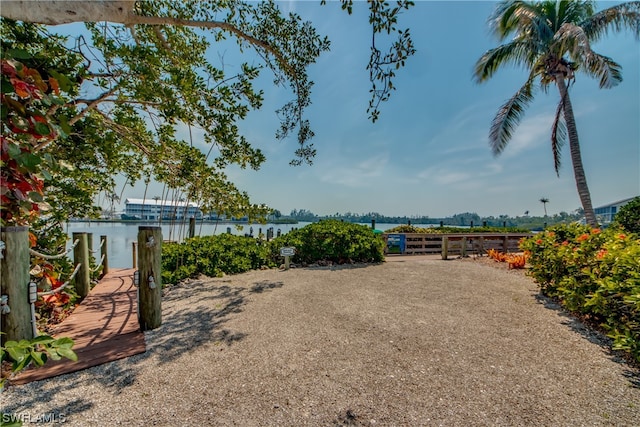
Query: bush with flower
{"x": 593, "y": 272}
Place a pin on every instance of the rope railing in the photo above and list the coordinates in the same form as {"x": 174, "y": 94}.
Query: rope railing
{"x": 99, "y": 266}
{"x": 64, "y": 285}
{"x": 102, "y": 242}
{"x": 58, "y": 256}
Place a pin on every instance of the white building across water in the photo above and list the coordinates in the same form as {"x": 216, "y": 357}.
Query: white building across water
{"x": 153, "y": 210}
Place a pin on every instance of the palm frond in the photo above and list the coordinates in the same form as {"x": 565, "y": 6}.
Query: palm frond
{"x": 518, "y": 52}
{"x": 574, "y": 11}
{"x": 573, "y": 39}
{"x": 617, "y": 18}
{"x": 606, "y": 69}
{"x": 558, "y": 136}
{"x": 522, "y": 18}
{"x": 509, "y": 116}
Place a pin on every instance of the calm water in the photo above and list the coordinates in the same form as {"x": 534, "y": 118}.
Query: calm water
{"x": 120, "y": 236}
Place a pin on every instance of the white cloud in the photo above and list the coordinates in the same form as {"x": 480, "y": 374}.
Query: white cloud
{"x": 358, "y": 175}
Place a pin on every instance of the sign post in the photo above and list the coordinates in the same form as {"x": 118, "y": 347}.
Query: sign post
{"x": 287, "y": 252}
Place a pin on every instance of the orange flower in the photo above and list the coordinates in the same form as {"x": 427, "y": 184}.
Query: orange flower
{"x": 33, "y": 240}
{"x": 622, "y": 236}
{"x": 539, "y": 242}
{"x": 583, "y": 237}
{"x": 601, "y": 254}
{"x": 565, "y": 243}
{"x": 595, "y": 231}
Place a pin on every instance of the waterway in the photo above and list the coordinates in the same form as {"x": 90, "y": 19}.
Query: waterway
{"x": 121, "y": 235}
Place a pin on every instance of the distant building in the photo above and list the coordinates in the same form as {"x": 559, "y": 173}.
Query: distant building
{"x": 153, "y": 210}
{"x": 606, "y": 213}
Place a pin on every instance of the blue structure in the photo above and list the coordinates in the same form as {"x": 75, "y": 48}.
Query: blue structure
{"x": 606, "y": 213}
{"x": 153, "y": 210}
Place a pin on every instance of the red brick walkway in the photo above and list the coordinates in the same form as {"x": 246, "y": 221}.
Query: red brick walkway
{"x": 104, "y": 327}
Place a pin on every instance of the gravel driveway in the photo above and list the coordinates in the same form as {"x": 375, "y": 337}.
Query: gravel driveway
{"x": 411, "y": 342}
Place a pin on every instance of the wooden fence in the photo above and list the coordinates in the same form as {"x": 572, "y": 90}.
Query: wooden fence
{"x": 451, "y": 244}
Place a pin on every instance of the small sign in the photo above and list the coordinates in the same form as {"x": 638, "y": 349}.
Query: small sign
{"x": 287, "y": 251}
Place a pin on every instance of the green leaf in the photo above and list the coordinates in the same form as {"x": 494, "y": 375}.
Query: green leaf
{"x": 63, "y": 81}
{"x": 30, "y": 160}
{"x": 68, "y": 353}
{"x": 18, "y": 54}
{"x": 14, "y": 151}
{"x": 17, "y": 354}
{"x": 64, "y": 342}
{"x": 39, "y": 358}
{"x": 35, "y": 197}
{"x": 6, "y": 86}
{"x": 43, "y": 339}
{"x": 42, "y": 129}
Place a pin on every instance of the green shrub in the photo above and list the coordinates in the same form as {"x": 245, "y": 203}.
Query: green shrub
{"x": 331, "y": 240}
{"x": 212, "y": 256}
{"x": 594, "y": 273}
{"x": 628, "y": 217}
{"x": 452, "y": 230}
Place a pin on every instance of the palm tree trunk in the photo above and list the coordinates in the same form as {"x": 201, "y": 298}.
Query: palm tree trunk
{"x": 576, "y": 158}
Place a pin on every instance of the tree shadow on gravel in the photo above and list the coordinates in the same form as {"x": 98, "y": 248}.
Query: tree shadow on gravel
{"x": 41, "y": 392}
{"x": 594, "y": 336}
{"x": 210, "y": 306}
{"x": 202, "y": 322}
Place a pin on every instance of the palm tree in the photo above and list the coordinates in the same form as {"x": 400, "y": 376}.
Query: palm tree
{"x": 552, "y": 39}
{"x": 544, "y": 202}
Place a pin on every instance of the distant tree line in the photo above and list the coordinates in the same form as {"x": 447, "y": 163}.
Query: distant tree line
{"x": 461, "y": 219}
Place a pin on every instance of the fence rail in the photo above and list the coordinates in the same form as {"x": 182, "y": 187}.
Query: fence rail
{"x": 452, "y": 244}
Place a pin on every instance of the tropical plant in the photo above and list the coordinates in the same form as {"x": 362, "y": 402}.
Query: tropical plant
{"x": 114, "y": 121}
{"x": 36, "y": 351}
{"x": 544, "y": 202}
{"x": 331, "y": 240}
{"x": 593, "y": 273}
{"x": 552, "y": 40}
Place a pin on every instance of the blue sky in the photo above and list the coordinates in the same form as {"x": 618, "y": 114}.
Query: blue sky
{"x": 428, "y": 154}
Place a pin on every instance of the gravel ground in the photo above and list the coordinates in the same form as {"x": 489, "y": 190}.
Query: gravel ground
{"x": 414, "y": 341}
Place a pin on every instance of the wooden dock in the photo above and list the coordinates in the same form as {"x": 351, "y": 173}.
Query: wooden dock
{"x": 104, "y": 328}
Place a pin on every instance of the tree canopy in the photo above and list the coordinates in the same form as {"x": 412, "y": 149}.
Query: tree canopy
{"x": 552, "y": 41}
{"x": 78, "y": 111}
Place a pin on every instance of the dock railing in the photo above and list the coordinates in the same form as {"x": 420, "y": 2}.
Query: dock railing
{"x": 453, "y": 243}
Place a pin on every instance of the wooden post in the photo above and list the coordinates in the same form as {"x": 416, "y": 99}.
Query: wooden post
{"x": 505, "y": 244}
{"x": 14, "y": 272}
{"x": 92, "y": 258}
{"x": 150, "y": 287}
{"x": 192, "y": 227}
{"x": 481, "y": 249}
{"x": 134, "y": 252}
{"x": 445, "y": 247}
{"x": 82, "y": 280}
{"x": 463, "y": 248}
{"x": 104, "y": 252}
{"x": 373, "y": 224}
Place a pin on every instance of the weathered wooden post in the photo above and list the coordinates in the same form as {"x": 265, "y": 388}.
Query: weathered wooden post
{"x": 481, "y": 248}
{"x": 505, "y": 244}
{"x": 228, "y": 230}
{"x": 445, "y": 247}
{"x": 92, "y": 258}
{"x": 150, "y": 274}
{"x": 82, "y": 281}
{"x": 104, "y": 255}
{"x": 134, "y": 254}
{"x": 373, "y": 224}
{"x": 463, "y": 247}
{"x": 192, "y": 227}
{"x": 14, "y": 284}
